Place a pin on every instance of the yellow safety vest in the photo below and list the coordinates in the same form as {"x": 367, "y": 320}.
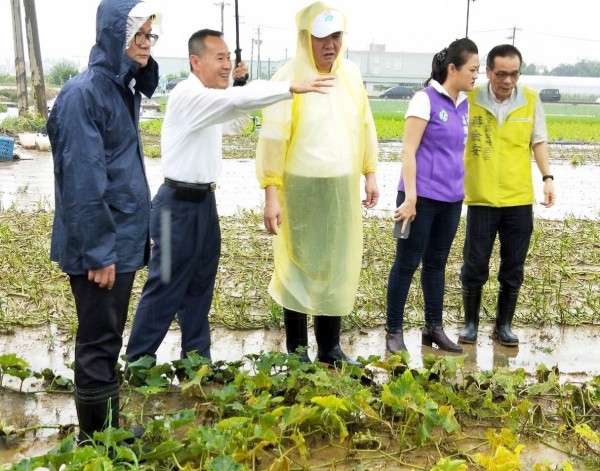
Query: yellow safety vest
{"x": 498, "y": 158}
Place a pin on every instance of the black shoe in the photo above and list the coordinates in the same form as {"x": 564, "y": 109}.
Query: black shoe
{"x": 431, "y": 335}
{"x": 394, "y": 340}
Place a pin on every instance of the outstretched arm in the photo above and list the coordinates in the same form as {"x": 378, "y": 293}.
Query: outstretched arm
{"x": 318, "y": 84}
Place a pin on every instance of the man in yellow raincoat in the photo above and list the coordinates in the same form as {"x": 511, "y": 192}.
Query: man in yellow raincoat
{"x": 310, "y": 157}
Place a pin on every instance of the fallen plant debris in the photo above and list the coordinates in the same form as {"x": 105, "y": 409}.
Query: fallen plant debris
{"x": 562, "y": 279}
{"x": 268, "y": 411}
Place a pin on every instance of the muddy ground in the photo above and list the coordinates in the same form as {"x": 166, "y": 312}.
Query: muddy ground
{"x": 27, "y": 184}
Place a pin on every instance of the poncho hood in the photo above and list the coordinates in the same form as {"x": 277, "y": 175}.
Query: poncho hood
{"x": 108, "y": 54}
{"x": 304, "y": 22}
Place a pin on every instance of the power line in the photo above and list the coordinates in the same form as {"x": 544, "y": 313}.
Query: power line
{"x": 566, "y": 37}
{"x": 560, "y": 36}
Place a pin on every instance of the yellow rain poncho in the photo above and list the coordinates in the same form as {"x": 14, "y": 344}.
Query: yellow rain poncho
{"x": 314, "y": 148}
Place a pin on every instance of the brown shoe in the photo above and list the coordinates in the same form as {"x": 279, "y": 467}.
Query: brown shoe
{"x": 431, "y": 335}
{"x": 394, "y": 340}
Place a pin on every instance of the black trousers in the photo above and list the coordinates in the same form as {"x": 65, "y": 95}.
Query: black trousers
{"x": 514, "y": 226}
{"x": 101, "y": 315}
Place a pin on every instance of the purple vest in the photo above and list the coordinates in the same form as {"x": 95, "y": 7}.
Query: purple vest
{"x": 440, "y": 165}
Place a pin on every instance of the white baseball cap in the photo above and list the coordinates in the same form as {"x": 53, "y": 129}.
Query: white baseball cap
{"x": 139, "y": 14}
{"x": 146, "y": 9}
{"x": 326, "y": 23}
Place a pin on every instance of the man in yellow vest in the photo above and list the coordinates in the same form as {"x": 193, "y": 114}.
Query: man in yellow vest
{"x": 506, "y": 122}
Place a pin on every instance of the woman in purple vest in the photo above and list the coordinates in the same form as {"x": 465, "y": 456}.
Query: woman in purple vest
{"x": 430, "y": 191}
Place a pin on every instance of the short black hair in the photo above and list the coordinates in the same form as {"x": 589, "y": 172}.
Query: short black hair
{"x": 503, "y": 50}
{"x": 196, "y": 44}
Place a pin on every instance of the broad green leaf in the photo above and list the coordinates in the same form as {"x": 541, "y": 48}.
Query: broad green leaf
{"x": 503, "y": 459}
{"x": 584, "y": 431}
{"x": 330, "y": 402}
{"x": 448, "y": 464}
{"x": 293, "y": 416}
{"x": 181, "y": 418}
{"x": 163, "y": 451}
{"x": 11, "y": 360}
{"x": 447, "y": 419}
{"x": 223, "y": 463}
{"x": 234, "y": 423}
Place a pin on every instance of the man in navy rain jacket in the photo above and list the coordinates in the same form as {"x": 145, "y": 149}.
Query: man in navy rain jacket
{"x": 100, "y": 235}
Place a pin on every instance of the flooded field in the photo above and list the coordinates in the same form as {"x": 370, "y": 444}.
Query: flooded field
{"x": 28, "y": 183}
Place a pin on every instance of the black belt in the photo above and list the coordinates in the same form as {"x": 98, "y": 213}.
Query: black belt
{"x": 205, "y": 187}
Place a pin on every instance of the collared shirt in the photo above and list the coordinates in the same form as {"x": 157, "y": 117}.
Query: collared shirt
{"x": 193, "y": 126}
{"x": 420, "y": 107}
{"x": 500, "y": 109}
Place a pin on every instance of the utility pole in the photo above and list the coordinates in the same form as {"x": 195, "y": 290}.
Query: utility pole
{"x": 20, "y": 71}
{"x": 35, "y": 59}
{"x": 252, "y": 59}
{"x": 467, "y": 29}
{"x": 222, "y": 5}
{"x": 514, "y": 33}
{"x": 258, "y": 42}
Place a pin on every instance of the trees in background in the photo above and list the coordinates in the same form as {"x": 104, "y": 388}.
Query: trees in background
{"x": 583, "y": 68}
{"x": 61, "y": 73}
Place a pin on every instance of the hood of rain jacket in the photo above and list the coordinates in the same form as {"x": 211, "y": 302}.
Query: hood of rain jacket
{"x": 102, "y": 198}
{"x": 304, "y": 20}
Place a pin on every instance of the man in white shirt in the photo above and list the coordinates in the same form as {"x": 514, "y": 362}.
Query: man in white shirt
{"x": 184, "y": 262}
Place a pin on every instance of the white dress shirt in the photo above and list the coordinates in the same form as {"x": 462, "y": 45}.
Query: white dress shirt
{"x": 193, "y": 126}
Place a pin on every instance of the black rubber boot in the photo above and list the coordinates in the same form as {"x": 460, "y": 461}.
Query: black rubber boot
{"x": 97, "y": 409}
{"x": 296, "y": 334}
{"x": 505, "y": 312}
{"x": 471, "y": 305}
{"x": 394, "y": 340}
{"x": 327, "y": 333}
{"x": 431, "y": 335}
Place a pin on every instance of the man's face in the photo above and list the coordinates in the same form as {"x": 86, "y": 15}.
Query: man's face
{"x": 140, "y": 53}
{"x": 214, "y": 65}
{"x": 325, "y": 51}
{"x": 504, "y": 75}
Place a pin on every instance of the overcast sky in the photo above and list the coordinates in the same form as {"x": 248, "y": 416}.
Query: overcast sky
{"x": 548, "y": 32}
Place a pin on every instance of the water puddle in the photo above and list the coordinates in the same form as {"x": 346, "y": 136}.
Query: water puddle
{"x": 28, "y": 184}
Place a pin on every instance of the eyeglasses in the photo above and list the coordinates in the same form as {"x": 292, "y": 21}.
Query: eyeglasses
{"x": 513, "y": 75}
{"x": 141, "y": 38}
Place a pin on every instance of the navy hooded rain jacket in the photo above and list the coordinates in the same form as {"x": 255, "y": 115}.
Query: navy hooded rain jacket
{"x": 101, "y": 193}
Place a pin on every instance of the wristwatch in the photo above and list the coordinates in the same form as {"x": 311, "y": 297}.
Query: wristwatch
{"x": 545, "y": 177}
